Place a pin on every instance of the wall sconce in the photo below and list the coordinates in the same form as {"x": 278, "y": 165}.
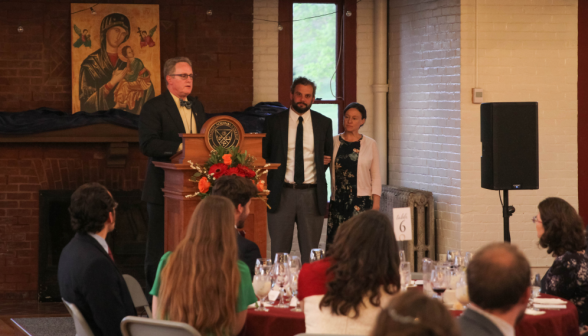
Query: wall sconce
{"x": 209, "y": 12}
{"x": 20, "y": 29}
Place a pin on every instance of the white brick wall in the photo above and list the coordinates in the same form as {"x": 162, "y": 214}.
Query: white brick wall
{"x": 423, "y": 106}
{"x": 365, "y": 61}
{"x": 265, "y": 51}
{"x": 527, "y": 51}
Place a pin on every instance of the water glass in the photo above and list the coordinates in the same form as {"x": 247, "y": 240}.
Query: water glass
{"x": 261, "y": 286}
{"x": 402, "y": 255}
{"x": 295, "y": 264}
{"x": 282, "y": 276}
{"x": 468, "y": 258}
{"x": 405, "y": 275}
{"x": 263, "y": 266}
{"x": 316, "y": 254}
{"x": 462, "y": 291}
{"x": 427, "y": 268}
{"x": 294, "y": 287}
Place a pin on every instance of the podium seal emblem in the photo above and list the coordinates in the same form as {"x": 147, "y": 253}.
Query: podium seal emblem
{"x": 223, "y": 131}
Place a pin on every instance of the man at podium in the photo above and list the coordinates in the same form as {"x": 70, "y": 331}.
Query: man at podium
{"x": 161, "y": 120}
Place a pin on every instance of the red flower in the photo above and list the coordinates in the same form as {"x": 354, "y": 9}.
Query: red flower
{"x": 203, "y": 185}
{"x": 248, "y": 173}
{"x": 218, "y": 169}
{"x": 234, "y": 171}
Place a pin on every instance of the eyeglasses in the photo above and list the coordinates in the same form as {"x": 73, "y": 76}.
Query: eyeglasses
{"x": 536, "y": 220}
{"x": 183, "y": 76}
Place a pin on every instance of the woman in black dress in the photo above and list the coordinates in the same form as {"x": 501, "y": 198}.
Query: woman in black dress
{"x": 561, "y": 231}
{"x": 356, "y": 184}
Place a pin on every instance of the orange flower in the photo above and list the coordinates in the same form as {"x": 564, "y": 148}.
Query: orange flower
{"x": 203, "y": 185}
{"x": 227, "y": 159}
{"x": 261, "y": 186}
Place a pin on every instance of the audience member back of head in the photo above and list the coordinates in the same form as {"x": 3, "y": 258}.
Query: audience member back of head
{"x": 240, "y": 191}
{"x": 344, "y": 292}
{"x": 499, "y": 288}
{"x": 415, "y": 314}
{"x": 87, "y": 275}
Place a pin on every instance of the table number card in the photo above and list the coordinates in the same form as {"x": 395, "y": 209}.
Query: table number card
{"x": 402, "y": 223}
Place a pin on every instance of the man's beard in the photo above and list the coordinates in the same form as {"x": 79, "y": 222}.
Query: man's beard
{"x": 241, "y": 221}
{"x": 300, "y": 109}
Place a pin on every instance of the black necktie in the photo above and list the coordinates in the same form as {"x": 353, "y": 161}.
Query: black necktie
{"x": 298, "y": 154}
{"x": 186, "y": 103}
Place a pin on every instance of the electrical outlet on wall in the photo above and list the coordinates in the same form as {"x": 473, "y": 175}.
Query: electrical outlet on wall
{"x": 477, "y": 96}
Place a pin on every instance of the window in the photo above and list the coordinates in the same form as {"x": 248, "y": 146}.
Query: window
{"x": 315, "y": 37}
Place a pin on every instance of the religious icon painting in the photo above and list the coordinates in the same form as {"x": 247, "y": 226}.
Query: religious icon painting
{"x": 115, "y": 56}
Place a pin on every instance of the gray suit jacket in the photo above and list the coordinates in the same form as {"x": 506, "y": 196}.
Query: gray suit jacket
{"x": 473, "y": 323}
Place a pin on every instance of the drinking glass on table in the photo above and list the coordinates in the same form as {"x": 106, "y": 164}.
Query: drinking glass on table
{"x": 427, "y": 268}
{"x": 263, "y": 266}
{"x": 451, "y": 254}
{"x": 402, "y": 255}
{"x": 440, "y": 279}
{"x": 295, "y": 264}
{"x": 294, "y": 287}
{"x": 282, "y": 276}
{"x": 316, "y": 254}
{"x": 462, "y": 291}
{"x": 405, "y": 275}
{"x": 262, "y": 285}
{"x": 467, "y": 258}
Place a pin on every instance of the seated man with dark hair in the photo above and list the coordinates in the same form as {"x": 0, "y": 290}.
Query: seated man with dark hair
{"x": 499, "y": 288}
{"x": 240, "y": 191}
{"x": 87, "y": 274}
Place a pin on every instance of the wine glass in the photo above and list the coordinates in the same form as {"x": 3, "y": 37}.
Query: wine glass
{"x": 402, "y": 256}
{"x": 263, "y": 266}
{"x": 440, "y": 278}
{"x": 405, "y": 275}
{"x": 451, "y": 254}
{"x": 261, "y": 286}
{"x": 316, "y": 254}
{"x": 282, "y": 276}
{"x": 295, "y": 264}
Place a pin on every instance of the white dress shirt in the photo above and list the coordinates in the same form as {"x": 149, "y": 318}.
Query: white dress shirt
{"x": 187, "y": 116}
{"x": 505, "y": 328}
{"x": 100, "y": 240}
{"x": 308, "y": 150}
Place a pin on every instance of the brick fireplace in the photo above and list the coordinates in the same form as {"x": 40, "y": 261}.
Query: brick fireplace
{"x": 61, "y": 160}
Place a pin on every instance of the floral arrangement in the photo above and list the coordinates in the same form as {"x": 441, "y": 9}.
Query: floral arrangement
{"x": 223, "y": 162}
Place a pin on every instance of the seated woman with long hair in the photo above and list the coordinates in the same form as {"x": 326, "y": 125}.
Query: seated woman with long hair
{"x": 561, "y": 230}
{"x": 415, "y": 314}
{"x": 202, "y": 282}
{"x": 344, "y": 293}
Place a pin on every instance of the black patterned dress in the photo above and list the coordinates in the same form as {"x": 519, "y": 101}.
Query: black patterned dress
{"x": 346, "y": 204}
{"x": 568, "y": 279}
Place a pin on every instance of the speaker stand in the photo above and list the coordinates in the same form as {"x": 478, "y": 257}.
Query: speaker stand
{"x": 507, "y": 211}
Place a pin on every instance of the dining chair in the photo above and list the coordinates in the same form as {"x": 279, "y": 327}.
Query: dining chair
{"x": 137, "y": 294}
{"x": 140, "y": 326}
{"x": 82, "y": 327}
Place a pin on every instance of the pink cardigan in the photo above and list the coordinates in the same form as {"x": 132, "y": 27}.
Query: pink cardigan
{"x": 369, "y": 181}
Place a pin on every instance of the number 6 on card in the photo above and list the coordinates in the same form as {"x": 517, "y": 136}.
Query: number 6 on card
{"x": 402, "y": 224}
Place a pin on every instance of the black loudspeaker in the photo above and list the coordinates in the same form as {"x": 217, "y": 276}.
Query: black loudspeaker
{"x": 510, "y": 146}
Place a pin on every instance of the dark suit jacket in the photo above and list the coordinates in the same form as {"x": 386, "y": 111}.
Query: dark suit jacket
{"x": 89, "y": 279}
{"x": 275, "y": 150}
{"x": 473, "y": 323}
{"x": 160, "y": 124}
{"x": 248, "y": 252}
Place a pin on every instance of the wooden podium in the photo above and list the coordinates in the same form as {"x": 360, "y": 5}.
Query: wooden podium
{"x": 177, "y": 184}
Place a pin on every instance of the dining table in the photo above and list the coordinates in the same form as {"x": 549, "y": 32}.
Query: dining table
{"x": 283, "y": 322}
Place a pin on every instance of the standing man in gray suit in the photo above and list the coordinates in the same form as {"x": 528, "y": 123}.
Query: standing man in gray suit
{"x": 499, "y": 288}
{"x": 301, "y": 140}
